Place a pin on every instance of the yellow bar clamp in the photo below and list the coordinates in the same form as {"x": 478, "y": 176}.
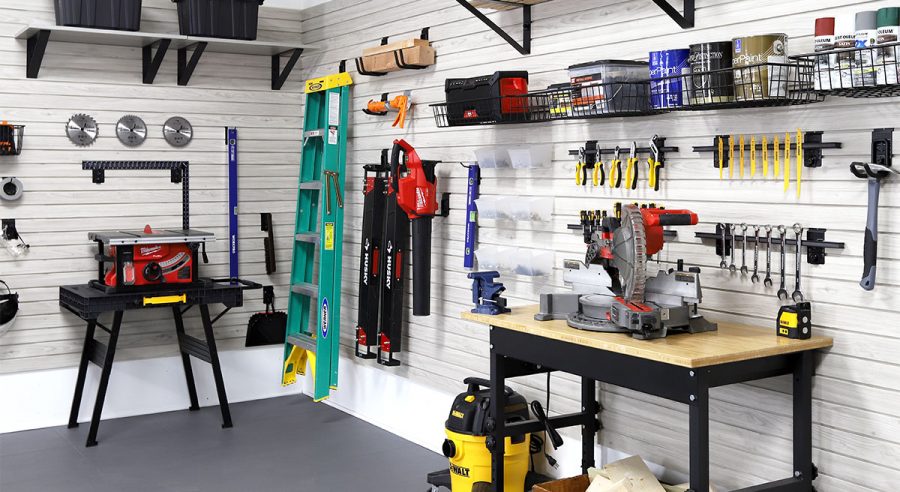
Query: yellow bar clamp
{"x": 161, "y": 300}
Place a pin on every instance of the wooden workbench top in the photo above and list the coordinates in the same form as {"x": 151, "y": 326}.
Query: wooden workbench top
{"x": 731, "y": 343}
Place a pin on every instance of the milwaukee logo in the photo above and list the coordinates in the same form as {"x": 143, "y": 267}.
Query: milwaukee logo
{"x": 421, "y": 199}
{"x": 458, "y": 470}
{"x": 149, "y": 250}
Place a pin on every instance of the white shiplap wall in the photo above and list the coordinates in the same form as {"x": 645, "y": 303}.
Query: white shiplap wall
{"x": 857, "y": 430}
{"x": 61, "y": 205}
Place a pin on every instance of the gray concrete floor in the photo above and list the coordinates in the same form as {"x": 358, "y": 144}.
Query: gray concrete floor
{"x": 281, "y": 444}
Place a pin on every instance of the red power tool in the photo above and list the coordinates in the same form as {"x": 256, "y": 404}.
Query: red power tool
{"x": 152, "y": 264}
{"x": 415, "y": 183}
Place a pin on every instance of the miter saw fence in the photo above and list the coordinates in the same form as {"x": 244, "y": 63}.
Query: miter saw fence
{"x": 612, "y": 289}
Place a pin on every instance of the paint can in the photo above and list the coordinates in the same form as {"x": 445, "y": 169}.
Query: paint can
{"x": 863, "y": 65}
{"x": 760, "y": 67}
{"x": 824, "y": 41}
{"x": 712, "y": 80}
{"x": 844, "y": 42}
{"x": 669, "y": 78}
{"x": 888, "y": 32}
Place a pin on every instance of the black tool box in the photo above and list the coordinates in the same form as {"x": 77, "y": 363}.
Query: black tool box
{"x": 121, "y": 15}
{"x": 231, "y": 19}
{"x": 489, "y": 98}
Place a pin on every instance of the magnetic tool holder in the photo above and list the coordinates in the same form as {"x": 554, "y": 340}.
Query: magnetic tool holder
{"x": 812, "y": 149}
{"x": 814, "y": 242}
{"x": 398, "y": 59}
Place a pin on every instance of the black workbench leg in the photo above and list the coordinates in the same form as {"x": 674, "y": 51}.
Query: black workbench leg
{"x": 82, "y": 373}
{"x": 185, "y": 360}
{"x": 803, "y": 465}
{"x": 498, "y": 401}
{"x": 104, "y": 378}
{"x": 699, "y": 431}
{"x": 589, "y": 430}
{"x": 217, "y": 369}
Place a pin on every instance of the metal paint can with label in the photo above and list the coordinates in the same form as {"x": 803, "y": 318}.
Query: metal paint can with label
{"x": 712, "y": 80}
{"x": 669, "y": 78}
{"x": 760, "y": 67}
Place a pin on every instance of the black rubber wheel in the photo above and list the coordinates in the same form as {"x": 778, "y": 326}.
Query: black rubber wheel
{"x": 481, "y": 487}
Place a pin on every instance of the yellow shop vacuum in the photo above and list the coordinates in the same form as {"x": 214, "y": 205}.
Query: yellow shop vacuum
{"x": 467, "y": 436}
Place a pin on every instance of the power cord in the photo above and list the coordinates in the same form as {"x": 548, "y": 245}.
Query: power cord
{"x": 538, "y": 444}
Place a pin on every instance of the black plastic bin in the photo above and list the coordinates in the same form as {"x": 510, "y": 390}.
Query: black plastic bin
{"x": 232, "y": 19}
{"x": 120, "y": 15}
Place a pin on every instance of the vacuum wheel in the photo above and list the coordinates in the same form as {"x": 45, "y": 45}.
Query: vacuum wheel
{"x": 481, "y": 487}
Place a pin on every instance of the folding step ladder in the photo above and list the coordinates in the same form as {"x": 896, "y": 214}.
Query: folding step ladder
{"x": 314, "y": 310}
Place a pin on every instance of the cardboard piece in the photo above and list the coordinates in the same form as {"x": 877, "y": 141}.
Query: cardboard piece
{"x": 574, "y": 484}
{"x": 385, "y": 62}
{"x": 635, "y": 473}
{"x": 600, "y": 484}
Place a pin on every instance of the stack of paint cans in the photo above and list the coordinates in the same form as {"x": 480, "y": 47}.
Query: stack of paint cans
{"x": 712, "y": 80}
{"x": 760, "y": 67}
{"x": 669, "y": 78}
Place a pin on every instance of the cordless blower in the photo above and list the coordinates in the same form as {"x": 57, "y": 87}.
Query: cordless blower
{"x": 415, "y": 183}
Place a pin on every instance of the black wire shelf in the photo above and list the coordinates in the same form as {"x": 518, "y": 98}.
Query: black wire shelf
{"x": 11, "y": 138}
{"x": 854, "y": 72}
{"x": 751, "y": 86}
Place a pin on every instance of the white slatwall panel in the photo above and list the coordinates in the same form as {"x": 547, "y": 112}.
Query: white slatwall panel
{"x": 856, "y": 390}
{"x": 61, "y": 205}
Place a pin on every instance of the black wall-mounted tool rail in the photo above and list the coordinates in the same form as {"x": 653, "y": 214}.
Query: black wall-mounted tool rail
{"x": 525, "y": 47}
{"x": 178, "y": 174}
{"x": 398, "y": 58}
{"x": 812, "y": 148}
{"x": 686, "y": 19}
{"x": 626, "y": 150}
{"x": 814, "y": 242}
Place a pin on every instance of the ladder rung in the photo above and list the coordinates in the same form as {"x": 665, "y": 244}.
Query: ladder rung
{"x": 311, "y": 185}
{"x": 307, "y": 289}
{"x": 302, "y": 340}
{"x": 308, "y": 237}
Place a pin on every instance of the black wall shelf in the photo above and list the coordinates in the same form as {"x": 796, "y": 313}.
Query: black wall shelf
{"x": 155, "y": 46}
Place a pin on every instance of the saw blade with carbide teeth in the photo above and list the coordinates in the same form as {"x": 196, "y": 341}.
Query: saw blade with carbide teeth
{"x": 82, "y": 130}
{"x": 629, "y": 251}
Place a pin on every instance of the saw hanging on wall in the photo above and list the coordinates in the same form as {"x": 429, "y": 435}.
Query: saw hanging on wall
{"x": 400, "y": 104}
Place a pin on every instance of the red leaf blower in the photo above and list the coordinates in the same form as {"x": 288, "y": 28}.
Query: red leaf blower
{"x": 415, "y": 183}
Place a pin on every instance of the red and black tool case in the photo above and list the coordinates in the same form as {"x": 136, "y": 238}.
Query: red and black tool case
{"x": 488, "y": 98}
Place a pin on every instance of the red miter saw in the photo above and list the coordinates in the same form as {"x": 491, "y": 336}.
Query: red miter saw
{"x": 614, "y": 292}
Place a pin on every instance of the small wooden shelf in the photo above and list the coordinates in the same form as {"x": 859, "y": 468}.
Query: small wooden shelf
{"x": 38, "y": 35}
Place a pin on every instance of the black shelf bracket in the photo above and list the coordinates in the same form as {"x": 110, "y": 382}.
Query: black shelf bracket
{"x": 684, "y": 20}
{"x": 279, "y": 76}
{"x": 37, "y": 46}
{"x": 151, "y": 61}
{"x": 186, "y": 67}
{"x": 525, "y": 47}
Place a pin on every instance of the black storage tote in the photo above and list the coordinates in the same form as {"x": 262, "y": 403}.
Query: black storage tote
{"x": 121, "y": 15}
{"x": 232, "y": 19}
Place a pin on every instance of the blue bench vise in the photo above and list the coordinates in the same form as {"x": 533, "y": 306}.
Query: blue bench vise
{"x": 486, "y": 293}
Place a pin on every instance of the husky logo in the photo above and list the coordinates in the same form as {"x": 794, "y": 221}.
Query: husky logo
{"x": 389, "y": 265}
{"x": 366, "y": 263}
{"x": 325, "y": 317}
{"x": 149, "y": 250}
{"x": 459, "y": 470}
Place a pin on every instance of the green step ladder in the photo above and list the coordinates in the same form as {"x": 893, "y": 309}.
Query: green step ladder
{"x": 314, "y": 310}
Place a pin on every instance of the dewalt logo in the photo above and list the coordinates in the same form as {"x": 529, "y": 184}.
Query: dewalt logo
{"x": 458, "y": 470}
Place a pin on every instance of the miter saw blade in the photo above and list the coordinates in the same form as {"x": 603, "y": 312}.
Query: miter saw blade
{"x": 629, "y": 249}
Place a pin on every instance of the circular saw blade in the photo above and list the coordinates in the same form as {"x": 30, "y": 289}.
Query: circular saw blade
{"x": 629, "y": 248}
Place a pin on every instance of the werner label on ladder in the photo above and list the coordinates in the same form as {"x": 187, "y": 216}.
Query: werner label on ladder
{"x": 314, "y": 311}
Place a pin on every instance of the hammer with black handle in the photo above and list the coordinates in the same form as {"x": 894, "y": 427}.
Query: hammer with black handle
{"x": 875, "y": 173}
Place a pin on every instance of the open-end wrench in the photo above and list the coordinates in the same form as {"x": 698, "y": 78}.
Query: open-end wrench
{"x": 755, "y": 277}
{"x": 744, "y": 269}
{"x": 782, "y": 292}
{"x": 797, "y": 296}
{"x": 732, "y": 268}
{"x": 768, "y": 280}
{"x": 724, "y": 264}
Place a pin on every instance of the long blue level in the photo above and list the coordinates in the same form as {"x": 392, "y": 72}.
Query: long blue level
{"x": 471, "y": 215}
{"x": 232, "y": 139}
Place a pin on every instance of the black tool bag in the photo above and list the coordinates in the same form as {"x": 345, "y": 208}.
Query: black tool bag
{"x": 267, "y": 328}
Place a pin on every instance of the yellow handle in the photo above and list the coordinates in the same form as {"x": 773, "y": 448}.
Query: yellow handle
{"x": 651, "y": 181}
{"x": 799, "y": 160}
{"x": 731, "y": 157}
{"x": 597, "y": 168}
{"x": 721, "y": 158}
{"x": 578, "y": 168}
{"x": 765, "y": 156}
{"x": 777, "y": 148}
{"x": 742, "y": 157}
{"x": 614, "y": 170}
{"x": 629, "y": 173}
{"x": 787, "y": 161}
{"x": 156, "y": 301}
{"x": 753, "y": 156}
